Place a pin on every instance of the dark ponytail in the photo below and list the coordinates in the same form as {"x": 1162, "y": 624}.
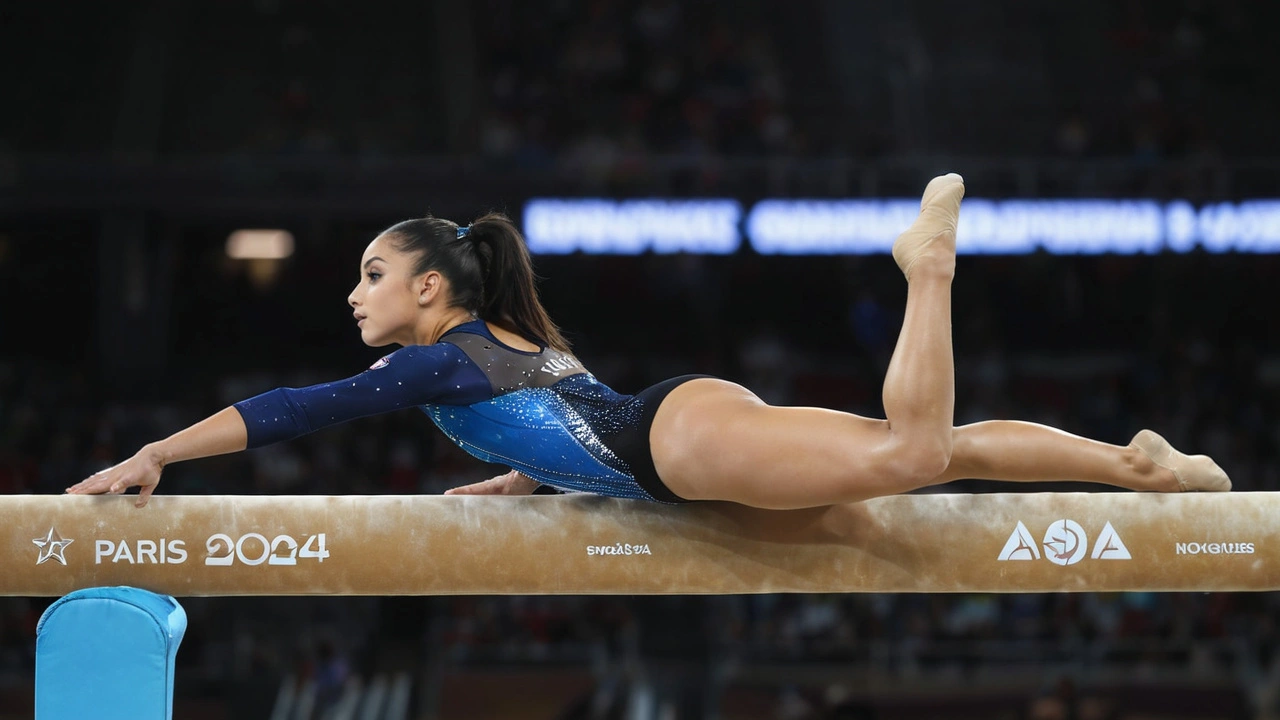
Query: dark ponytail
{"x": 488, "y": 268}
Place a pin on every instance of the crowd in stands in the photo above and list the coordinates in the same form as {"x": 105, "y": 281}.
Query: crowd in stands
{"x": 600, "y": 88}
{"x": 657, "y": 97}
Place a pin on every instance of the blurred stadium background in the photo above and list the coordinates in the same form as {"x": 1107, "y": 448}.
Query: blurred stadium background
{"x": 137, "y": 137}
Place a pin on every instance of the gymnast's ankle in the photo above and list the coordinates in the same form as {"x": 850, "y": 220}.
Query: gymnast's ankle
{"x": 929, "y": 266}
{"x": 1146, "y": 475}
{"x": 1194, "y": 473}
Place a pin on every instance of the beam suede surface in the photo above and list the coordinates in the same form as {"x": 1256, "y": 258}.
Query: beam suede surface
{"x": 580, "y": 544}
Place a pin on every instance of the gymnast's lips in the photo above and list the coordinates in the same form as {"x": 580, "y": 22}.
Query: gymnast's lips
{"x": 359, "y": 318}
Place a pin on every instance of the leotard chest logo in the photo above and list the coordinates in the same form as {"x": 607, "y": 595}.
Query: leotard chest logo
{"x": 557, "y": 365}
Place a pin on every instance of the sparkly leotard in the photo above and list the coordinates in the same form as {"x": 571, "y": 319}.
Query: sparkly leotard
{"x": 540, "y": 413}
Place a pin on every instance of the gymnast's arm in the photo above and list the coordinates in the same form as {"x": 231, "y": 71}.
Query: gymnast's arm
{"x": 410, "y": 376}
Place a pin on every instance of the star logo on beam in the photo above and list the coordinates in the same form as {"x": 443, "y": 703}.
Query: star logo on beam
{"x": 51, "y": 546}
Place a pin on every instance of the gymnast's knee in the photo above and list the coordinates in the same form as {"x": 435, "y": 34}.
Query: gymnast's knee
{"x": 917, "y": 461}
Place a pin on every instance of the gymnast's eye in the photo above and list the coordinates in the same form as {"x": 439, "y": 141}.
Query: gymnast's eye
{"x": 373, "y": 276}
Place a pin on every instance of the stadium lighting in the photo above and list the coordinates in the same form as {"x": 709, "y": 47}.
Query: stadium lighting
{"x": 260, "y": 245}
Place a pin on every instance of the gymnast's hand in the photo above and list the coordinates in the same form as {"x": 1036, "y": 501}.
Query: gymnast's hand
{"x": 513, "y": 483}
{"x": 142, "y": 470}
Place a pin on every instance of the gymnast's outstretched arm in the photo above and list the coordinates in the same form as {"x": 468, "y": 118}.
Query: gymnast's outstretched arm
{"x": 410, "y": 376}
{"x": 218, "y": 434}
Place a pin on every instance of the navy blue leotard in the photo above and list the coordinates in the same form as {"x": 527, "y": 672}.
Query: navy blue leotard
{"x": 540, "y": 413}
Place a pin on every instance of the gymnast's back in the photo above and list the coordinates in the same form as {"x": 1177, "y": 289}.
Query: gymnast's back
{"x": 538, "y": 412}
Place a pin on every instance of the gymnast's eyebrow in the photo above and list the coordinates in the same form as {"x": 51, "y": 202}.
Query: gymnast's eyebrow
{"x": 375, "y": 257}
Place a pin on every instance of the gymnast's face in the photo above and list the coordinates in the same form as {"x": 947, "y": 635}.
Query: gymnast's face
{"x": 391, "y": 304}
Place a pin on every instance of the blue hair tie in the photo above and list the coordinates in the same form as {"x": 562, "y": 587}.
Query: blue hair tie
{"x": 464, "y": 231}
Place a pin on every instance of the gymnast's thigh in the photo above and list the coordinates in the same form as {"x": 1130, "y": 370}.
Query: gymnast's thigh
{"x": 715, "y": 440}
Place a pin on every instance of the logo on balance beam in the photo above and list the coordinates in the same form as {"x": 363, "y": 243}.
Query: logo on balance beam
{"x": 250, "y": 548}
{"x": 52, "y": 545}
{"x": 1065, "y": 543}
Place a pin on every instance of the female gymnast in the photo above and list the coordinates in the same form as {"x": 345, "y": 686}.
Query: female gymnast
{"x": 481, "y": 357}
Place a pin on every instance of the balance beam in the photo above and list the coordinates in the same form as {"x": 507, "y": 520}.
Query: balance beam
{"x": 579, "y": 544}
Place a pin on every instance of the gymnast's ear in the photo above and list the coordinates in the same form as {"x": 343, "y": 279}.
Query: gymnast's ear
{"x": 429, "y": 286}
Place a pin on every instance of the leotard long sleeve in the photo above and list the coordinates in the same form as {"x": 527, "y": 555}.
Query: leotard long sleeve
{"x": 540, "y": 412}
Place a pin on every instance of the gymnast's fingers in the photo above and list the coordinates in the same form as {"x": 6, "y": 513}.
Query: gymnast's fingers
{"x": 145, "y": 478}
{"x": 474, "y": 488}
{"x": 519, "y": 484}
{"x": 118, "y": 479}
{"x": 144, "y": 494}
{"x": 95, "y": 484}
{"x": 492, "y": 486}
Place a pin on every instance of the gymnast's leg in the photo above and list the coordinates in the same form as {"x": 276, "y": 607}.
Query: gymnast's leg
{"x": 715, "y": 440}
{"x": 786, "y": 457}
{"x": 919, "y": 391}
{"x": 1027, "y": 452}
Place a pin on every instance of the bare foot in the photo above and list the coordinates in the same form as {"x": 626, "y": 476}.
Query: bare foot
{"x": 931, "y": 239}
